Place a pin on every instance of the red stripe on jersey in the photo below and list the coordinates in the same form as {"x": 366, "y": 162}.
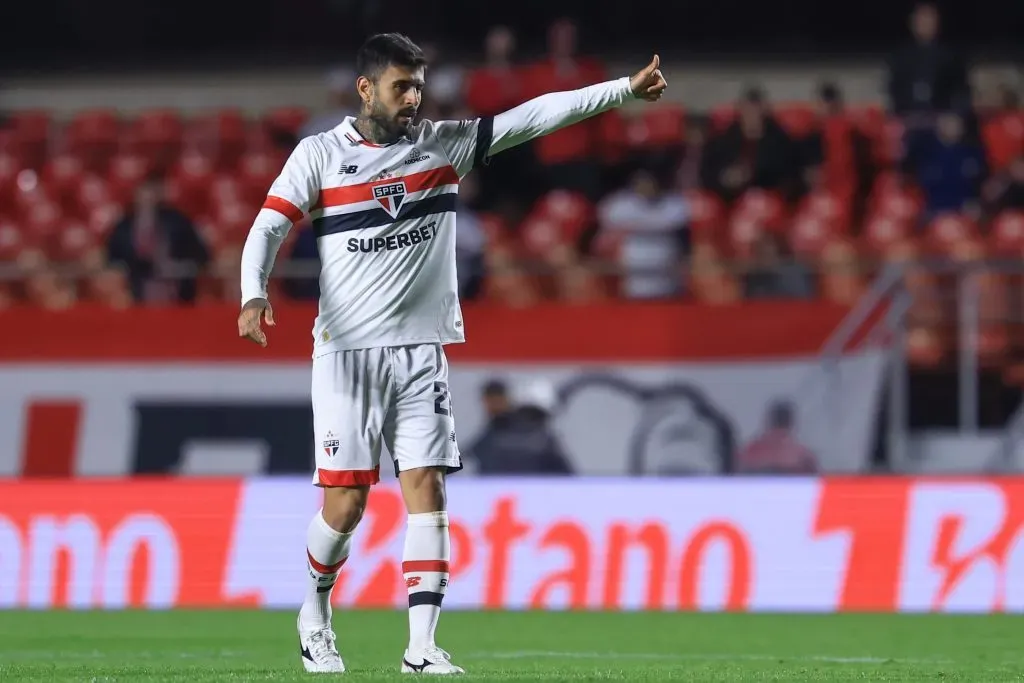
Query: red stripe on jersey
{"x": 363, "y": 192}
{"x": 425, "y": 566}
{"x": 284, "y": 207}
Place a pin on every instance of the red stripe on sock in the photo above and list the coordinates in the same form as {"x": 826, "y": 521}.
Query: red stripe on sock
{"x": 425, "y": 566}
{"x": 324, "y": 568}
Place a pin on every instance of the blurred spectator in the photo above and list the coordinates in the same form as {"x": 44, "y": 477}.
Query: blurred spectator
{"x": 341, "y": 102}
{"x": 1006, "y": 190}
{"x": 949, "y": 168}
{"x": 497, "y": 84}
{"x": 688, "y": 174}
{"x": 567, "y": 156}
{"x": 754, "y": 151}
{"x": 773, "y": 273}
{"x": 926, "y": 76}
{"x": 649, "y": 226}
{"x": 444, "y": 80}
{"x": 150, "y": 241}
{"x": 470, "y": 242}
{"x": 777, "y": 450}
{"x": 836, "y": 156}
{"x": 495, "y": 399}
{"x": 520, "y": 441}
{"x": 304, "y": 253}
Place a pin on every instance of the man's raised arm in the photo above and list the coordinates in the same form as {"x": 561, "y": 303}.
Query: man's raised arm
{"x": 471, "y": 143}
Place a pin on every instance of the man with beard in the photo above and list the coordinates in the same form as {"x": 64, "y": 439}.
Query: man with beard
{"x": 381, "y": 191}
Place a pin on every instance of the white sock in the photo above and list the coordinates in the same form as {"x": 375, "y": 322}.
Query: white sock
{"x": 425, "y": 566}
{"x": 326, "y": 552}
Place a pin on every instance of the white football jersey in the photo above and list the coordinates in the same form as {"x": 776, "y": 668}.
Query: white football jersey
{"x": 384, "y": 217}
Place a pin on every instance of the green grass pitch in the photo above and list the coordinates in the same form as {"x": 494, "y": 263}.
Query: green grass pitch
{"x": 498, "y": 646}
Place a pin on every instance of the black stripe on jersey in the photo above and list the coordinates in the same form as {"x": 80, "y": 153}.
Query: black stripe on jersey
{"x": 425, "y": 598}
{"x": 484, "y": 136}
{"x": 376, "y": 218}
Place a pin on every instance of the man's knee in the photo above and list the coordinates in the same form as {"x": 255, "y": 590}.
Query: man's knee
{"x": 344, "y": 506}
{"x": 423, "y": 489}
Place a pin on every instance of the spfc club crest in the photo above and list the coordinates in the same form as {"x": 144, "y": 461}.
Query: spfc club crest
{"x": 390, "y": 196}
{"x": 331, "y": 445}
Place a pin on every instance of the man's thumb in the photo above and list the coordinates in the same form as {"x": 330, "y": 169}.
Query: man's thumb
{"x": 655, "y": 63}
{"x": 269, "y": 314}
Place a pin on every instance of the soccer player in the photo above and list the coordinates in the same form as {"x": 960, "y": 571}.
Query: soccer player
{"x": 381, "y": 191}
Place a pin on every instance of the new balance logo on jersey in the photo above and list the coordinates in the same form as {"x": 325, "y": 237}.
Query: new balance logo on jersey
{"x": 390, "y": 196}
{"x": 348, "y": 169}
{"x": 371, "y": 245}
{"x": 415, "y": 157}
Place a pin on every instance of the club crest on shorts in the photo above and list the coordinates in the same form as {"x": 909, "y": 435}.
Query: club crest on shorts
{"x": 331, "y": 445}
{"x": 390, "y": 196}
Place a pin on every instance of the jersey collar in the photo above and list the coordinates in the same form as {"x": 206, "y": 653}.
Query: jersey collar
{"x": 347, "y": 130}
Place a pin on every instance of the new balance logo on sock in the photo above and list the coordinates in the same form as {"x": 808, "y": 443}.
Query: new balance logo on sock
{"x": 427, "y": 586}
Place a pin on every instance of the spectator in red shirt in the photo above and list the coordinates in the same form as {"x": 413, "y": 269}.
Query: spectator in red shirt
{"x": 569, "y": 156}
{"x": 777, "y": 450}
{"x": 496, "y": 86}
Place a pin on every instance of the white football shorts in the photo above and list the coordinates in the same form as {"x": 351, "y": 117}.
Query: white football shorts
{"x": 368, "y": 398}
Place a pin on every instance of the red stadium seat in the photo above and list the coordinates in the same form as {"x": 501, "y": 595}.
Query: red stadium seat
{"x": 75, "y": 242}
{"x": 42, "y": 221}
{"x": 707, "y": 215}
{"x": 257, "y": 171}
{"x": 755, "y": 212}
{"x": 189, "y": 182}
{"x": 93, "y": 136}
{"x": 797, "y": 119}
{"x": 103, "y": 217}
{"x": 12, "y": 241}
{"x": 1003, "y": 136}
{"x": 657, "y": 127}
{"x": 612, "y": 128}
{"x": 721, "y": 117}
{"x": 127, "y": 170}
{"x": 889, "y": 197}
{"x": 571, "y": 212}
{"x": 286, "y": 119}
{"x": 1007, "y": 235}
{"x": 62, "y": 175}
{"x": 951, "y": 230}
{"x": 92, "y": 191}
{"x": 882, "y": 231}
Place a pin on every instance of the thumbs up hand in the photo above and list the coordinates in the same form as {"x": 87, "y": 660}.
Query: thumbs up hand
{"x": 649, "y": 83}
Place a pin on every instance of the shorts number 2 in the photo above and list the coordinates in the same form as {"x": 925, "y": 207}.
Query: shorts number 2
{"x": 441, "y": 389}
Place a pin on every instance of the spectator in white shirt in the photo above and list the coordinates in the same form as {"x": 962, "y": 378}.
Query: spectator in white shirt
{"x": 650, "y": 227}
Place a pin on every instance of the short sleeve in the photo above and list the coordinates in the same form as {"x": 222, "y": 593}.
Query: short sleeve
{"x": 298, "y": 185}
{"x": 466, "y": 142}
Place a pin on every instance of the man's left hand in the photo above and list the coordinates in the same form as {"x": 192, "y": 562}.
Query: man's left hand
{"x": 649, "y": 83}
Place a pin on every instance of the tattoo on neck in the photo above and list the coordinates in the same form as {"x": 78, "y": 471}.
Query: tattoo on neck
{"x": 373, "y": 131}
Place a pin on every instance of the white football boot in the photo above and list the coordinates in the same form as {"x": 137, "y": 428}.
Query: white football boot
{"x": 319, "y": 653}
{"x": 432, "y": 661}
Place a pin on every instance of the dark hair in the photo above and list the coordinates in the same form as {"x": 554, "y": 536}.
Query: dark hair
{"x": 387, "y": 49}
{"x": 829, "y": 93}
{"x": 781, "y": 414}
{"x": 495, "y": 387}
